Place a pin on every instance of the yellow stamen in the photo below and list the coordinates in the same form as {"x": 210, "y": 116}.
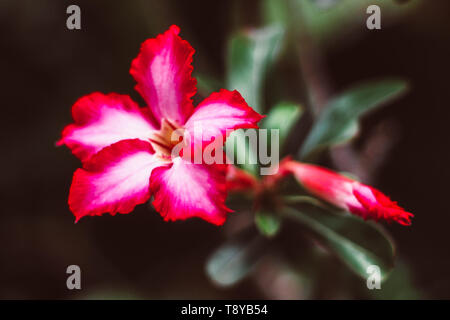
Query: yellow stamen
{"x": 166, "y": 138}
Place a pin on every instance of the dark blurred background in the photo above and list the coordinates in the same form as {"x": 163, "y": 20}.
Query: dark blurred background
{"x": 46, "y": 67}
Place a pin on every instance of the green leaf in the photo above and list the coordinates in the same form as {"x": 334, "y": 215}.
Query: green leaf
{"x": 268, "y": 224}
{"x": 357, "y": 243}
{"x": 283, "y": 117}
{"x": 250, "y": 54}
{"x": 206, "y": 84}
{"x": 275, "y": 12}
{"x": 399, "y": 286}
{"x": 239, "y": 149}
{"x": 338, "y": 122}
{"x": 235, "y": 259}
{"x": 327, "y": 20}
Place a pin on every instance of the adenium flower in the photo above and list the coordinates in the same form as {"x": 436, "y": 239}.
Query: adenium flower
{"x": 347, "y": 194}
{"x": 343, "y": 192}
{"x": 126, "y": 150}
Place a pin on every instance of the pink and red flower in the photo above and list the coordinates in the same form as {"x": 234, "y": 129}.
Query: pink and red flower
{"x": 126, "y": 150}
{"x": 347, "y": 194}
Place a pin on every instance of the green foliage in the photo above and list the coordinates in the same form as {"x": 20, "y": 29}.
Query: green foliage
{"x": 206, "y": 85}
{"x": 250, "y": 54}
{"x": 338, "y": 122}
{"x": 399, "y": 285}
{"x": 245, "y": 155}
{"x": 267, "y": 223}
{"x": 332, "y": 22}
{"x": 283, "y": 117}
{"x": 232, "y": 261}
{"x": 356, "y": 243}
{"x": 275, "y": 12}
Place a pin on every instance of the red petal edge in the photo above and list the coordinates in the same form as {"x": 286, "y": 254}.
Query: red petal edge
{"x": 93, "y": 185}
{"x": 181, "y": 58}
{"x": 173, "y": 197}
{"x": 89, "y": 109}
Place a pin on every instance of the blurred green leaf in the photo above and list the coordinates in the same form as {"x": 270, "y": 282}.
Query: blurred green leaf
{"x": 338, "y": 122}
{"x": 250, "y": 54}
{"x": 333, "y": 20}
{"x": 275, "y": 12}
{"x": 399, "y": 285}
{"x": 235, "y": 259}
{"x": 283, "y": 117}
{"x": 244, "y": 153}
{"x": 357, "y": 243}
{"x": 206, "y": 85}
{"x": 268, "y": 223}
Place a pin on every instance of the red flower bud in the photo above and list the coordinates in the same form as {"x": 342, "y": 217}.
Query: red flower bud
{"x": 348, "y": 194}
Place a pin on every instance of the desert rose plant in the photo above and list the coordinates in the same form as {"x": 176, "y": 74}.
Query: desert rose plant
{"x": 131, "y": 154}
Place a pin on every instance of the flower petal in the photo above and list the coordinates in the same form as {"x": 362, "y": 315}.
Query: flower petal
{"x": 378, "y": 206}
{"x": 221, "y": 111}
{"x": 187, "y": 190}
{"x": 163, "y": 73}
{"x": 101, "y": 120}
{"x": 324, "y": 183}
{"x": 115, "y": 179}
{"x": 345, "y": 193}
{"x": 239, "y": 180}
